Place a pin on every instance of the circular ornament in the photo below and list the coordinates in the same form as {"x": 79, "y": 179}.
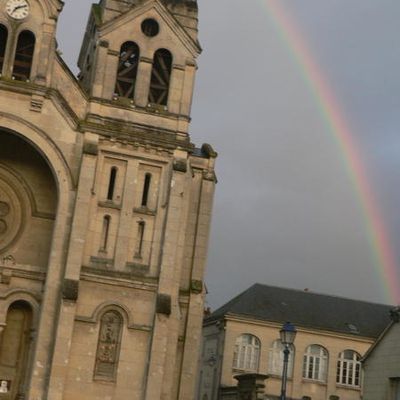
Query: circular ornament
{"x": 150, "y": 27}
{"x": 11, "y": 213}
{"x": 17, "y": 9}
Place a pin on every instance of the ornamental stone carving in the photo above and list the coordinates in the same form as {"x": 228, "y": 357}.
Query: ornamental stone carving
{"x": 11, "y": 213}
{"x": 108, "y": 345}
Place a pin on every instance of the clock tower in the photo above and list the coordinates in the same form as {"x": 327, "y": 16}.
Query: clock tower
{"x": 105, "y": 204}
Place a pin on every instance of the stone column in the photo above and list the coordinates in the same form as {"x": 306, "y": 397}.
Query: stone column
{"x": 104, "y": 67}
{"x": 188, "y": 89}
{"x": 46, "y": 53}
{"x": 143, "y": 81}
{"x": 176, "y": 88}
{"x": 251, "y": 386}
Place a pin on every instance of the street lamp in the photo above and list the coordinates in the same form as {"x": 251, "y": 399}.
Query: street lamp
{"x": 288, "y": 334}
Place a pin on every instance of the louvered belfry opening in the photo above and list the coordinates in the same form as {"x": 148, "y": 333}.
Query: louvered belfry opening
{"x": 160, "y": 77}
{"x": 3, "y": 45}
{"x": 127, "y": 70}
{"x": 24, "y": 56}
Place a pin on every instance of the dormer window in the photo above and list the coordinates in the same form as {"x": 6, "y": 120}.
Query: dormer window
{"x": 3, "y": 45}
{"x": 127, "y": 70}
{"x": 24, "y": 56}
{"x": 160, "y": 77}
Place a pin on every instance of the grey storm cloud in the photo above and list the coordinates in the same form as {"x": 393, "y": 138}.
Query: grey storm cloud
{"x": 286, "y": 211}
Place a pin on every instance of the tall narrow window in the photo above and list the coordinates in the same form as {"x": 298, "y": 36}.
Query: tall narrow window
{"x": 275, "y": 359}
{"x": 315, "y": 363}
{"x": 108, "y": 346}
{"x": 146, "y": 190}
{"x": 246, "y": 355}
{"x": 3, "y": 45}
{"x": 105, "y": 232}
{"x": 24, "y": 56}
{"x": 127, "y": 70}
{"x": 139, "y": 240}
{"x": 111, "y": 183}
{"x": 160, "y": 77}
{"x": 348, "y": 368}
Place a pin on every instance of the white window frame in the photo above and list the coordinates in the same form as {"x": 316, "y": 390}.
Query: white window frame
{"x": 275, "y": 359}
{"x": 315, "y": 363}
{"x": 349, "y": 369}
{"x": 246, "y": 354}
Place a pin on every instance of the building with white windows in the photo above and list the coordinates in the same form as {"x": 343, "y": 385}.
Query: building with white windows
{"x": 333, "y": 334}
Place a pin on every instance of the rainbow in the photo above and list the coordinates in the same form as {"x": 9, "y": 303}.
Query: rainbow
{"x": 382, "y": 253}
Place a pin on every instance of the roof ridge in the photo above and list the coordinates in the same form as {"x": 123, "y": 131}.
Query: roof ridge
{"x": 320, "y": 294}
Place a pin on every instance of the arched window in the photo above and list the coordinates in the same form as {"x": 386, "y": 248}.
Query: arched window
{"x": 24, "y": 56}
{"x": 105, "y": 232}
{"x": 315, "y": 363}
{"x": 275, "y": 359}
{"x": 139, "y": 239}
{"x": 15, "y": 343}
{"x": 146, "y": 189}
{"x": 3, "y": 45}
{"x": 160, "y": 77}
{"x": 111, "y": 183}
{"x": 108, "y": 345}
{"x": 127, "y": 70}
{"x": 246, "y": 355}
{"x": 349, "y": 368}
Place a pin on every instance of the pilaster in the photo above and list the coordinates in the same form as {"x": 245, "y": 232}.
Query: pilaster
{"x": 100, "y": 65}
{"x": 46, "y": 53}
{"x": 176, "y": 86}
{"x": 143, "y": 81}
{"x": 70, "y": 287}
{"x": 124, "y": 230}
{"x": 163, "y": 351}
{"x": 188, "y": 87}
{"x": 196, "y": 300}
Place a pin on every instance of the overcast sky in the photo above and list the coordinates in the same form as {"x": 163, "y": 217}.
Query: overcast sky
{"x": 286, "y": 212}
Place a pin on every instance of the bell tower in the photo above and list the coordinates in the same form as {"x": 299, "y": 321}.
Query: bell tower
{"x": 105, "y": 203}
{"x": 27, "y": 36}
{"x": 141, "y": 56}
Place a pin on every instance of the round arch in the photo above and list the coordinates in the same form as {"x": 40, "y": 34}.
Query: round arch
{"x": 19, "y": 295}
{"x": 44, "y": 145}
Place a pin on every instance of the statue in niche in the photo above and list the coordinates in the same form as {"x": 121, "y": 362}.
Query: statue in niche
{"x": 108, "y": 345}
{"x": 3, "y": 386}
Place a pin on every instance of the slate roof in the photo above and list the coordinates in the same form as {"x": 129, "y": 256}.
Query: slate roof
{"x": 308, "y": 310}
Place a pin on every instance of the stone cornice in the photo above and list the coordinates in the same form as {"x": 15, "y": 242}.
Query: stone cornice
{"x": 107, "y": 127}
{"x": 131, "y": 132}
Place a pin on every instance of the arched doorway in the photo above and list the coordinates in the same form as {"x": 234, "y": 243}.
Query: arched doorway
{"x": 15, "y": 350}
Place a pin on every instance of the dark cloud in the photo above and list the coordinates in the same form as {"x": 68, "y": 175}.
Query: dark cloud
{"x": 286, "y": 209}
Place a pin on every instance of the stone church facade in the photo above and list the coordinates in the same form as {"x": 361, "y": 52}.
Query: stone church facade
{"x": 105, "y": 204}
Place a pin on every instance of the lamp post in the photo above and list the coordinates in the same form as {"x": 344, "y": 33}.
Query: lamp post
{"x": 288, "y": 334}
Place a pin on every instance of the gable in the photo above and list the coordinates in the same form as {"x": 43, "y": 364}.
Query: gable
{"x": 127, "y": 27}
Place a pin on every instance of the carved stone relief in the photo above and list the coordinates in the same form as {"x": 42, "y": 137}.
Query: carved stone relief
{"x": 108, "y": 346}
{"x": 11, "y": 212}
